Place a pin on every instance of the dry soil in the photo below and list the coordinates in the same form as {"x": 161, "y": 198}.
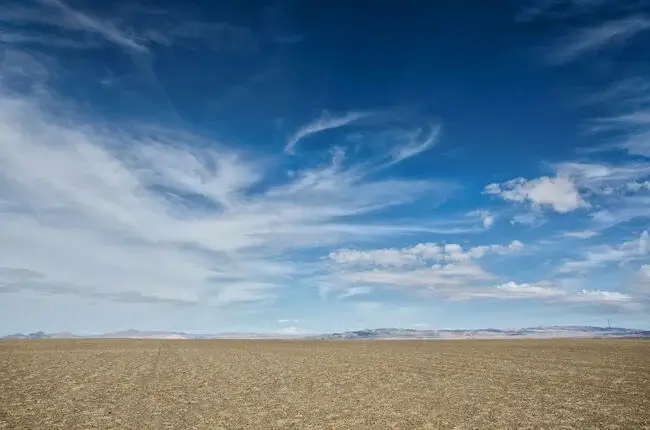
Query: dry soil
{"x": 143, "y": 384}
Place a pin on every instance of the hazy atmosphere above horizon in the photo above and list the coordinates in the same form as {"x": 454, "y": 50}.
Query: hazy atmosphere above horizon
{"x": 312, "y": 166}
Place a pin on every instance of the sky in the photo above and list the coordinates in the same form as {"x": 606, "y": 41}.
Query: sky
{"x": 309, "y": 166}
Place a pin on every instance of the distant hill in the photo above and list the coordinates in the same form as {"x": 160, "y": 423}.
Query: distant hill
{"x": 35, "y": 335}
{"x": 547, "y": 332}
{"x": 136, "y": 334}
{"x": 490, "y": 333}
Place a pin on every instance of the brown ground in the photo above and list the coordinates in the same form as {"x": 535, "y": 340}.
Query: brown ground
{"x": 143, "y": 384}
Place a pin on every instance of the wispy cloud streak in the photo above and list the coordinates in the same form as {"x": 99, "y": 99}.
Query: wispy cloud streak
{"x": 590, "y": 39}
{"x": 325, "y": 122}
{"x": 61, "y": 25}
{"x": 84, "y": 22}
{"x": 130, "y": 214}
{"x": 417, "y": 143}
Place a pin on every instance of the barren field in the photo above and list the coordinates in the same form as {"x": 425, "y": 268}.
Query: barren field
{"x": 235, "y": 384}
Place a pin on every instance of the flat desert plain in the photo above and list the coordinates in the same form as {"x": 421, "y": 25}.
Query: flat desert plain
{"x": 265, "y": 384}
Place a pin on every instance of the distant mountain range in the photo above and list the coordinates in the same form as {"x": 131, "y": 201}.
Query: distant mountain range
{"x": 136, "y": 334}
{"x": 547, "y": 332}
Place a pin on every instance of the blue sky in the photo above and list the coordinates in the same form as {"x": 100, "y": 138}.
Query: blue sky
{"x": 306, "y": 167}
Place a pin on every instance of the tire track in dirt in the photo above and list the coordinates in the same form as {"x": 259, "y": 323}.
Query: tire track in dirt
{"x": 152, "y": 387}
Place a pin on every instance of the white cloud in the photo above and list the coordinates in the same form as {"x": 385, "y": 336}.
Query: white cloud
{"x": 436, "y": 277}
{"x": 584, "y": 234}
{"x": 418, "y": 254}
{"x": 487, "y": 217}
{"x": 382, "y": 257}
{"x": 547, "y": 290}
{"x": 451, "y": 272}
{"x": 596, "y": 296}
{"x": 488, "y": 221}
{"x": 589, "y": 39}
{"x": 136, "y": 215}
{"x": 558, "y": 193}
{"x": 602, "y": 255}
{"x": 323, "y": 123}
{"x": 420, "y": 269}
{"x": 522, "y": 291}
{"x": 621, "y": 190}
{"x": 466, "y": 281}
{"x": 532, "y": 218}
{"x": 550, "y": 292}
{"x": 616, "y": 189}
{"x": 480, "y": 251}
{"x": 155, "y": 215}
